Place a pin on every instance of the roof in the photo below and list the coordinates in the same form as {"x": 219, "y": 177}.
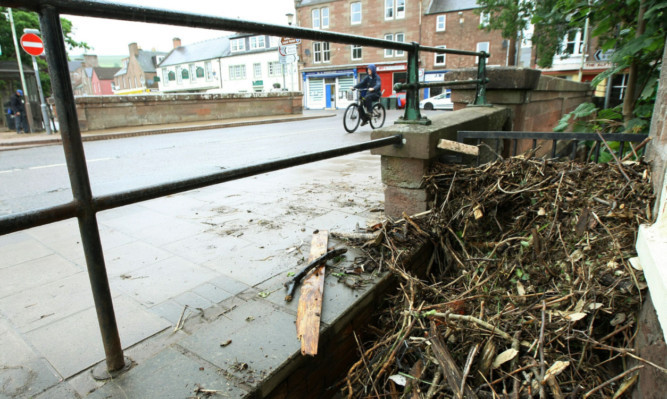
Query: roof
{"x": 74, "y": 65}
{"x": 121, "y": 72}
{"x": 442, "y": 6}
{"x": 105, "y": 73}
{"x": 206, "y": 50}
{"x": 89, "y": 72}
{"x": 147, "y": 61}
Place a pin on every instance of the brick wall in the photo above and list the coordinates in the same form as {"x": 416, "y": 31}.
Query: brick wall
{"x": 105, "y": 112}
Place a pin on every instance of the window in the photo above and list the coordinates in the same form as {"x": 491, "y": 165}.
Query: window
{"x": 185, "y": 75}
{"x": 165, "y": 76}
{"x": 400, "y": 37}
{"x": 573, "y": 43}
{"x": 440, "y": 22}
{"x": 316, "y": 18}
{"x": 237, "y": 45}
{"x": 484, "y": 19}
{"x": 389, "y": 52}
{"x": 257, "y": 70}
{"x": 236, "y": 72}
{"x": 394, "y": 9}
{"x": 171, "y": 76}
{"x": 440, "y": 59}
{"x": 355, "y": 13}
{"x": 356, "y": 52}
{"x": 275, "y": 69}
{"x": 209, "y": 70}
{"x": 193, "y": 73}
{"x": 325, "y": 17}
{"x": 321, "y": 52}
{"x": 257, "y": 42}
{"x": 483, "y": 46}
{"x": 199, "y": 72}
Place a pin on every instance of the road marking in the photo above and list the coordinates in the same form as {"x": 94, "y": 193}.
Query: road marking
{"x": 55, "y": 165}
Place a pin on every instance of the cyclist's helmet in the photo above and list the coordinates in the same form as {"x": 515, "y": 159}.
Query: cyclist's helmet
{"x": 372, "y": 68}
{"x": 20, "y": 92}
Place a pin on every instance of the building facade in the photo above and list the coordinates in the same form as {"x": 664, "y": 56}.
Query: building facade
{"x": 102, "y": 80}
{"x": 240, "y": 63}
{"x": 137, "y": 75}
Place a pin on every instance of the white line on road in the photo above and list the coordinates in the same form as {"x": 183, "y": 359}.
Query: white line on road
{"x": 52, "y": 165}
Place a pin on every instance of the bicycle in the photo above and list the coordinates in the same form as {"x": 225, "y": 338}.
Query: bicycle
{"x": 352, "y": 115}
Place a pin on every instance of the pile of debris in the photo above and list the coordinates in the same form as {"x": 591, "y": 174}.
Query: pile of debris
{"x": 529, "y": 292}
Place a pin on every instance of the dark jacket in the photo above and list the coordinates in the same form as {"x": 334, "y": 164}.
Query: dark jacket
{"x": 371, "y": 81}
{"x": 16, "y": 104}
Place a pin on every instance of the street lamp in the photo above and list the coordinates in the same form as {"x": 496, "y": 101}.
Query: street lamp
{"x": 45, "y": 115}
{"x": 290, "y": 19}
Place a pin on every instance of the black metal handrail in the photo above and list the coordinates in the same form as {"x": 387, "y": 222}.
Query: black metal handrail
{"x": 84, "y": 206}
{"x": 621, "y": 138}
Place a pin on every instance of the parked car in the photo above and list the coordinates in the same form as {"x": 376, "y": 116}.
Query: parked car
{"x": 441, "y": 101}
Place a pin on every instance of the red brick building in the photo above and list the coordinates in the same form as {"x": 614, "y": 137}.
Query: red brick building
{"x": 329, "y": 70}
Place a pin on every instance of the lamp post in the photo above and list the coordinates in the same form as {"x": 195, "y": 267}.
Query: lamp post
{"x": 290, "y": 19}
{"x": 28, "y": 110}
{"x": 45, "y": 114}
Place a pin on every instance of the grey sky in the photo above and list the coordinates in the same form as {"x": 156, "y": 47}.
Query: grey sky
{"x": 111, "y": 37}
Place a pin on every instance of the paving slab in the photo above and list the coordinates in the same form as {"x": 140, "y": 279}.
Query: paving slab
{"x": 263, "y": 337}
{"x": 128, "y": 258}
{"x": 162, "y": 280}
{"x": 170, "y": 374}
{"x": 34, "y": 273}
{"x": 60, "y": 391}
{"x": 74, "y": 344}
{"x": 19, "y": 248}
{"x": 23, "y": 372}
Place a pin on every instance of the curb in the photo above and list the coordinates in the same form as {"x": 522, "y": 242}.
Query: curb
{"x": 16, "y": 145}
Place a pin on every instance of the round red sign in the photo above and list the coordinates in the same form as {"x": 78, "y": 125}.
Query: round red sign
{"x": 32, "y": 44}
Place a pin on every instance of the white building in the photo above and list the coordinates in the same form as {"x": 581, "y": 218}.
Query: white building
{"x": 233, "y": 64}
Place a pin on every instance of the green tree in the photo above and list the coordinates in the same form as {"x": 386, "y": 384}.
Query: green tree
{"x": 30, "y": 20}
{"x": 635, "y": 30}
{"x": 510, "y": 17}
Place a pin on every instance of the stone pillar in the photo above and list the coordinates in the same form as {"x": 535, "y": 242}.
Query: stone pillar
{"x": 404, "y": 167}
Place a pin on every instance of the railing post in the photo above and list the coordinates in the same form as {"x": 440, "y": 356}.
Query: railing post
{"x": 80, "y": 183}
{"x": 412, "y": 114}
{"x": 480, "y": 95}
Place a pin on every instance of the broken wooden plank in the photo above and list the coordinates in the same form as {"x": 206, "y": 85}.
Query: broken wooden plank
{"x": 458, "y": 147}
{"x": 309, "y": 310}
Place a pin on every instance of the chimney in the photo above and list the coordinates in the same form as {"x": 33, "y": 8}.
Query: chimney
{"x": 177, "y": 42}
{"x": 90, "y": 60}
{"x": 134, "y": 49}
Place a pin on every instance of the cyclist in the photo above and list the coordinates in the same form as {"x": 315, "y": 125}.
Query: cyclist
{"x": 372, "y": 84}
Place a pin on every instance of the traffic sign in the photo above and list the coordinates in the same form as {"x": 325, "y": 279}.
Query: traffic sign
{"x": 603, "y": 55}
{"x": 32, "y": 44}
{"x": 289, "y": 40}
{"x": 287, "y": 50}
{"x": 288, "y": 59}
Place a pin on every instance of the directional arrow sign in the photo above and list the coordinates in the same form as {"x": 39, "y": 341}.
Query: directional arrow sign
{"x": 32, "y": 44}
{"x": 287, "y": 50}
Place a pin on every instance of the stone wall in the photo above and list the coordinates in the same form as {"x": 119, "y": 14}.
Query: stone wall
{"x": 522, "y": 101}
{"x": 106, "y": 112}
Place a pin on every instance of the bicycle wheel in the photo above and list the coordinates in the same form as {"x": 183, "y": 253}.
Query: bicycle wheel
{"x": 377, "y": 116}
{"x": 351, "y": 118}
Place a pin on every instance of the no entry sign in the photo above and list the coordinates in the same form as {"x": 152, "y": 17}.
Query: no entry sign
{"x": 32, "y": 44}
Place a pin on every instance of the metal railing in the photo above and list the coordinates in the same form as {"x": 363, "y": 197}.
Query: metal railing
{"x": 573, "y": 139}
{"x": 84, "y": 205}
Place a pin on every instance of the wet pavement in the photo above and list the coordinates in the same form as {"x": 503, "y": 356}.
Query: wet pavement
{"x": 215, "y": 257}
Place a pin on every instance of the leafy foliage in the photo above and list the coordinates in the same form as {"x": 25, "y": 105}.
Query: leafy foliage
{"x": 30, "y": 20}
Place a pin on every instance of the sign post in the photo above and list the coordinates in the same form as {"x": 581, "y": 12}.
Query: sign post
{"x": 33, "y": 45}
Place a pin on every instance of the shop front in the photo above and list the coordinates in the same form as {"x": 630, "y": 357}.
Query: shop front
{"x": 328, "y": 89}
{"x": 433, "y": 77}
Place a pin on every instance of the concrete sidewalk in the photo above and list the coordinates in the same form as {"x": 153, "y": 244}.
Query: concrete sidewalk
{"x": 9, "y": 140}
{"x": 219, "y": 256}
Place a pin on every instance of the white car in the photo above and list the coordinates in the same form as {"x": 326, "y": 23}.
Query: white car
{"x": 441, "y": 101}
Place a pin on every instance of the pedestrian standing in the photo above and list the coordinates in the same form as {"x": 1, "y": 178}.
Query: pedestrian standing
{"x": 18, "y": 108}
